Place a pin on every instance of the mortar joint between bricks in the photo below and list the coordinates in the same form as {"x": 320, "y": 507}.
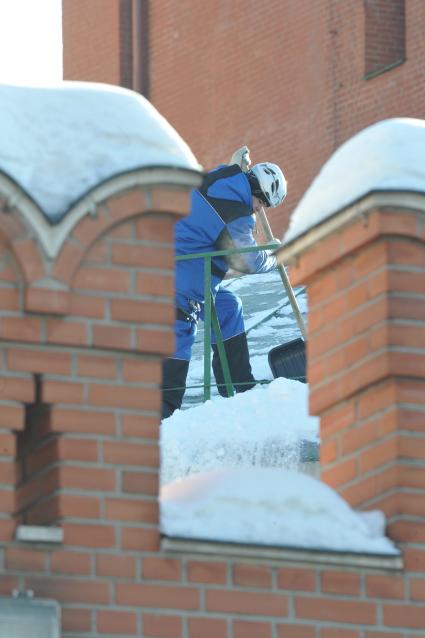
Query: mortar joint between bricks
{"x": 420, "y": 436}
{"x": 138, "y": 561}
{"x": 291, "y": 606}
{"x": 362, "y": 582}
{"x": 118, "y": 424}
{"x": 89, "y": 333}
{"x": 100, "y": 452}
{"x": 118, "y": 531}
{"x": 133, "y": 338}
{"x": 202, "y": 601}
{"x": 132, "y": 282}
{"x": 317, "y": 578}
{"x": 120, "y": 369}
{"x": 74, "y": 365}
{"x": 93, "y": 621}
{"x": 86, "y": 392}
{"x": 183, "y": 571}
{"x": 146, "y": 192}
{"x": 139, "y": 623}
{"x": 43, "y": 330}
{"x": 380, "y": 613}
{"x": 108, "y": 316}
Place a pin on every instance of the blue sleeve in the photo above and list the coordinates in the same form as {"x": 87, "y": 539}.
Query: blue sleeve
{"x": 240, "y": 231}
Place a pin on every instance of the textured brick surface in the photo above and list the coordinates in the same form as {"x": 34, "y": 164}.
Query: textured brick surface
{"x": 79, "y": 418}
{"x": 317, "y": 95}
{"x": 80, "y": 373}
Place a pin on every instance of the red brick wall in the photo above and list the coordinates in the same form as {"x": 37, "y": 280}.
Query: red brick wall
{"x": 82, "y": 337}
{"x": 286, "y": 78}
{"x": 366, "y": 369}
{"x": 91, "y": 40}
{"x": 80, "y": 365}
{"x": 366, "y": 366}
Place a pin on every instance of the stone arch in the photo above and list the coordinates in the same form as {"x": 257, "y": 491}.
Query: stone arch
{"x": 20, "y": 218}
{"x": 48, "y": 255}
{"x": 157, "y": 191}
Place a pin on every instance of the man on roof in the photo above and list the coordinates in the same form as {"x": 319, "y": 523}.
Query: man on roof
{"x": 222, "y": 217}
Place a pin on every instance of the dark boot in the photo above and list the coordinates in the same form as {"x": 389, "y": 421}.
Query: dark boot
{"x": 240, "y": 368}
{"x": 174, "y": 373}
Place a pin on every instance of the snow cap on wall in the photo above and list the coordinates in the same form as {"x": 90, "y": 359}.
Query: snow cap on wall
{"x": 386, "y": 156}
{"x": 59, "y": 142}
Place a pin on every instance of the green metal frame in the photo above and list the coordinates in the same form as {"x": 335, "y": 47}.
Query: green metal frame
{"x": 210, "y": 315}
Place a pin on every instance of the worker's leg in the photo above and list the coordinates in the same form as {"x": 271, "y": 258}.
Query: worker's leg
{"x": 175, "y": 369}
{"x": 230, "y": 317}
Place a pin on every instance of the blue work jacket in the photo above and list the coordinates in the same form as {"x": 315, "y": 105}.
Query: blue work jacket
{"x": 221, "y": 217}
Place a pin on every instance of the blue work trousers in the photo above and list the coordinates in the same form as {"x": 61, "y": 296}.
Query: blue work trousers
{"x": 230, "y": 318}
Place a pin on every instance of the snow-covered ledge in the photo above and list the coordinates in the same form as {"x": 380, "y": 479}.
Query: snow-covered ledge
{"x": 67, "y": 147}
{"x": 274, "y": 513}
{"x": 279, "y": 555}
{"x": 288, "y": 252}
{"x": 356, "y": 242}
{"x": 237, "y": 490}
{"x": 383, "y": 162}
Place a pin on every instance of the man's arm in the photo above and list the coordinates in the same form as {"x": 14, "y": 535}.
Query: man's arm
{"x": 239, "y": 234}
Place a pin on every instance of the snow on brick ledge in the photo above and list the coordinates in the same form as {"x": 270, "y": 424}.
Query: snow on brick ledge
{"x": 218, "y": 483}
{"x": 269, "y": 506}
{"x": 59, "y": 142}
{"x": 387, "y": 156}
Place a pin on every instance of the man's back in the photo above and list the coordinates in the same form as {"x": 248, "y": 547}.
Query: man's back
{"x": 224, "y": 197}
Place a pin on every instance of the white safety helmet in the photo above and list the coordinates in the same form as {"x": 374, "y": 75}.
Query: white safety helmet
{"x": 268, "y": 183}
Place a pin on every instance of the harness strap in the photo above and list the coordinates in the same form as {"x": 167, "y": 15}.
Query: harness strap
{"x": 193, "y": 316}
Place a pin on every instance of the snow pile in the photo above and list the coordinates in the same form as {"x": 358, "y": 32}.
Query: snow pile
{"x": 229, "y": 466}
{"x": 59, "y": 142}
{"x": 228, "y": 473}
{"x": 265, "y": 427}
{"x": 268, "y": 506}
{"x": 387, "y": 156}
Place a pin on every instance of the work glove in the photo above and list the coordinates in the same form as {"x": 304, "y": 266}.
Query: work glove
{"x": 241, "y": 158}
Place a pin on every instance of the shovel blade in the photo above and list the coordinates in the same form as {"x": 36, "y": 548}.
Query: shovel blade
{"x": 289, "y": 360}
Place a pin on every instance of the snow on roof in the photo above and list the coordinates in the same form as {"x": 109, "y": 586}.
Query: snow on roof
{"x": 59, "y": 142}
{"x": 269, "y": 506}
{"x": 245, "y": 430}
{"x": 388, "y": 155}
{"x": 228, "y": 473}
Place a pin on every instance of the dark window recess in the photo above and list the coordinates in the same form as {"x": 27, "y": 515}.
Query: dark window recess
{"x": 385, "y": 35}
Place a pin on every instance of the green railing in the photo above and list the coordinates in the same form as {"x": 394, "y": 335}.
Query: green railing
{"x": 210, "y": 315}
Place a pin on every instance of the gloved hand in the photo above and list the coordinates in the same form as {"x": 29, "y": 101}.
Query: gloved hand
{"x": 241, "y": 158}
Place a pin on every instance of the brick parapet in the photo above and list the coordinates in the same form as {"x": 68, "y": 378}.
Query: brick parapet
{"x": 104, "y": 285}
{"x": 366, "y": 363}
{"x": 108, "y": 591}
{"x": 87, "y": 446}
{"x": 83, "y": 330}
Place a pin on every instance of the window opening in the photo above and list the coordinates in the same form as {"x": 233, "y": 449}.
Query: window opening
{"x": 384, "y": 35}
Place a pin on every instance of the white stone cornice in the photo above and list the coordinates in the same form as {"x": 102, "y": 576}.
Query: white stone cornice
{"x": 360, "y": 209}
{"x": 52, "y": 235}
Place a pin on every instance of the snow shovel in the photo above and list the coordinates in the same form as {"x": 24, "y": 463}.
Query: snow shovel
{"x": 289, "y": 359}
